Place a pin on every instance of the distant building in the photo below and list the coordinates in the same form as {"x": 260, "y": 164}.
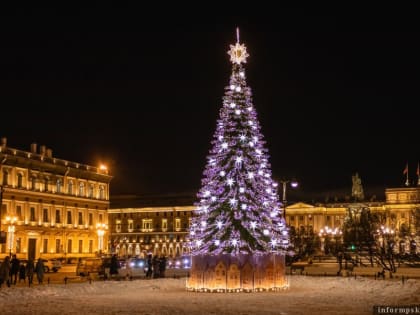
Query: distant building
{"x": 159, "y": 225}
{"x": 139, "y": 226}
{"x": 401, "y": 206}
{"x": 51, "y": 207}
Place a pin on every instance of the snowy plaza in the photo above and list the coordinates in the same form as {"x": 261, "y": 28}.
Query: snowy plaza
{"x": 307, "y": 295}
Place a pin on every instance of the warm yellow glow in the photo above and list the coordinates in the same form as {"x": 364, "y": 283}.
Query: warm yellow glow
{"x": 218, "y": 274}
{"x": 103, "y": 167}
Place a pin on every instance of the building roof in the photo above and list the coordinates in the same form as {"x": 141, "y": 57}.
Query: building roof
{"x": 141, "y": 201}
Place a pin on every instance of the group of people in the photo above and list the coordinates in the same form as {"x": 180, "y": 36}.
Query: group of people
{"x": 156, "y": 266}
{"x": 12, "y": 269}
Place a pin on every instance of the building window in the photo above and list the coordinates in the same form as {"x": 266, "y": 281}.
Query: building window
{"x": 130, "y": 225}
{"x": 18, "y": 245}
{"x": 157, "y": 214}
{"x": 402, "y": 215}
{"x": 90, "y": 219}
{"x": 147, "y": 225}
{"x": 45, "y": 215}
{"x": 90, "y": 246}
{"x": 80, "y": 246}
{"x": 70, "y": 188}
{"x": 57, "y": 216}
{"x": 177, "y": 224}
{"x": 80, "y": 221}
{"x": 328, "y": 218}
{"x": 69, "y": 246}
{"x": 3, "y": 211}
{"x": 32, "y": 214}
{"x": 19, "y": 212}
{"x": 100, "y": 218}
{"x": 101, "y": 192}
{"x": 33, "y": 183}
{"x": 57, "y": 245}
{"x": 69, "y": 221}
{"x": 301, "y": 218}
{"x": 292, "y": 218}
{"x": 82, "y": 189}
{"x": 91, "y": 191}
{"x": 46, "y": 184}
{"x": 5, "y": 178}
{"x": 45, "y": 246}
{"x": 19, "y": 180}
{"x": 164, "y": 225}
{"x": 118, "y": 226}
{"x": 58, "y": 185}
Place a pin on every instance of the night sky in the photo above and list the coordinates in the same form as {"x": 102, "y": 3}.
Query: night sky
{"x": 141, "y": 91}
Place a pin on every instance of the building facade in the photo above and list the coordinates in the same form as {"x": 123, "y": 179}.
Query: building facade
{"x": 401, "y": 209}
{"x": 51, "y": 208}
{"x": 159, "y": 230}
{"x": 135, "y": 231}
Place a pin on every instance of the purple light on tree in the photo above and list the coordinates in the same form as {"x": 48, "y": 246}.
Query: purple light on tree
{"x": 238, "y": 211}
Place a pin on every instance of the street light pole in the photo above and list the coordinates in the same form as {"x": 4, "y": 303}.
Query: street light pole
{"x": 284, "y": 182}
{"x": 11, "y": 231}
{"x": 101, "y": 232}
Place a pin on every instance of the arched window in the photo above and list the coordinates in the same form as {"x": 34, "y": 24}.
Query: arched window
{"x": 82, "y": 189}
{"x": 70, "y": 188}
{"x": 19, "y": 180}
{"x": 58, "y": 184}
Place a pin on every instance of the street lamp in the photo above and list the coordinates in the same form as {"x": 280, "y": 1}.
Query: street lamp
{"x": 293, "y": 184}
{"x": 11, "y": 220}
{"x": 101, "y": 227}
{"x": 328, "y": 233}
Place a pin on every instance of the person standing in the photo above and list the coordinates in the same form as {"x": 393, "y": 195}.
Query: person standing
{"x": 149, "y": 266}
{"x": 30, "y": 269}
{"x": 14, "y": 269}
{"x": 39, "y": 269}
{"x": 5, "y": 271}
{"x": 22, "y": 272}
{"x": 113, "y": 270}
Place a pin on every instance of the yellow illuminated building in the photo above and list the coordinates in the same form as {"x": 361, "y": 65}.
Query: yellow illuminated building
{"x": 158, "y": 229}
{"x": 135, "y": 231}
{"x": 51, "y": 208}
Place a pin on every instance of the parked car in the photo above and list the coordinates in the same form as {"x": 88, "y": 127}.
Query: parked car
{"x": 183, "y": 262}
{"x": 133, "y": 267}
{"x": 86, "y": 266}
{"x": 51, "y": 265}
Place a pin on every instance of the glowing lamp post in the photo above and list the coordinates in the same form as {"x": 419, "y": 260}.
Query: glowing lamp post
{"x": 328, "y": 233}
{"x": 11, "y": 220}
{"x": 293, "y": 184}
{"x": 101, "y": 227}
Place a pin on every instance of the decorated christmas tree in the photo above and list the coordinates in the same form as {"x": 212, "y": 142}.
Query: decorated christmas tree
{"x": 238, "y": 218}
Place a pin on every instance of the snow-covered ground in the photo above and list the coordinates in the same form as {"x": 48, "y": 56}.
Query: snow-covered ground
{"x": 307, "y": 295}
